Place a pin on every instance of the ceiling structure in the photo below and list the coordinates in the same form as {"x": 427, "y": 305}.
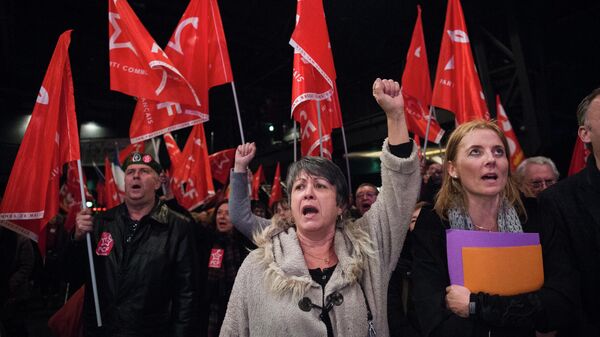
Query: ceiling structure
{"x": 541, "y": 58}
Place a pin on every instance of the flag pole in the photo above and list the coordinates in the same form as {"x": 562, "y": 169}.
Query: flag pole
{"x": 295, "y": 142}
{"x": 431, "y": 112}
{"x": 346, "y": 155}
{"x": 237, "y": 110}
{"x": 98, "y": 172}
{"x": 320, "y": 131}
{"x": 88, "y": 238}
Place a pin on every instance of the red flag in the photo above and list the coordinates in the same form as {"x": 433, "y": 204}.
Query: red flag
{"x": 276, "y": 193}
{"x": 516, "y": 153}
{"x": 199, "y": 50}
{"x": 457, "y": 87}
{"x": 172, "y": 149}
{"x": 137, "y": 147}
{"x": 579, "y": 157}
{"x": 220, "y": 164}
{"x": 70, "y": 192}
{"x": 111, "y": 191}
{"x": 31, "y": 197}
{"x": 257, "y": 178}
{"x": 416, "y": 87}
{"x": 418, "y": 143}
{"x": 314, "y": 79}
{"x": 192, "y": 182}
{"x": 138, "y": 66}
{"x": 100, "y": 192}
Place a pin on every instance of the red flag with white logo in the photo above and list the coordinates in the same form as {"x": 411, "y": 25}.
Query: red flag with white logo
{"x": 70, "y": 192}
{"x": 257, "y": 178}
{"x": 457, "y": 87}
{"x": 314, "y": 79}
{"x": 172, "y": 150}
{"x": 199, "y": 50}
{"x": 31, "y": 197}
{"x": 220, "y": 164}
{"x": 276, "y": 192}
{"x": 137, "y": 147}
{"x": 192, "y": 181}
{"x": 111, "y": 191}
{"x": 416, "y": 87}
{"x": 579, "y": 157}
{"x": 516, "y": 153}
{"x": 138, "y": 66}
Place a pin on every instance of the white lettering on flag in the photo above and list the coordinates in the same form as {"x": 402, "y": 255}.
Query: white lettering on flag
{"x": 176, "y": 45}
{"x": 112, "y": 43}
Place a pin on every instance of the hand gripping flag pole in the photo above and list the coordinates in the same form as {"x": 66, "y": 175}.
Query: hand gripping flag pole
{"x": 88, "y": 239}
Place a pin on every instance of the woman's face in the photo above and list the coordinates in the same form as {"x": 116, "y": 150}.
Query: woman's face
{"x": 480, "y": 165}
{"x": 224, "y": 225}
{"x": 283, "y": 210}
{"x": 314, "y": 206}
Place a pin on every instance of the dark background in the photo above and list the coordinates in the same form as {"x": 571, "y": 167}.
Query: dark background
{"x": 540, "y": 56}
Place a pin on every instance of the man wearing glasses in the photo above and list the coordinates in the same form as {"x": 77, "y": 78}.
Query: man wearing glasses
{"x": 536, "y": 174}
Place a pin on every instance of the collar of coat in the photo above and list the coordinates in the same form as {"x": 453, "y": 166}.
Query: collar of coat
{"x": 159, "y": 214}
{"x": 286, "y": 272}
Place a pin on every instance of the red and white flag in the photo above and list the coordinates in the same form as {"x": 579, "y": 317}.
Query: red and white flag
{"x": 314, "y": 79}
{"x": 579, "y": 157}
{"x": 516, "y": 153}
{"x": 416, "y": 87}
{"x": 70, "y": 192}
{"x": 138, "y": 66}
{"x": 114, "y": 196}
{"x": 137, "y": 147}
{"x": 199, "y": 50}
{"x": 221, "y": 163}
{"x": 457, "y": 87}
{"x": 192, "y": 181}
{"x": 172, "y": 150}
{"x": 276, "y": 192}
{"x": 31, "y": 197}
{"x": 257, "y": 178}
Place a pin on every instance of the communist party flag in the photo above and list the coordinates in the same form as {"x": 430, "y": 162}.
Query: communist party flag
{"x": 111, "y": 191}
{"x": 313, "y": 80}
{"x": 172, "y": 149}
{"x": 257, "y": 178}
{"x": 220, "y": 164}
{"x": 516, "y": 153}
{"x": 199, "y": 50}
{"x": 579, "y": 157}
{"x": 416, "y": 87}
{"x": 192, "y": 182}
{"x": 138, "y": 66}
{"x": 137, "y": 147}
{"x": 276, "y": 193}
{"x": 457, "y": 87}
{"x": 70, "y": 192}
{"x": 31, "y": 197}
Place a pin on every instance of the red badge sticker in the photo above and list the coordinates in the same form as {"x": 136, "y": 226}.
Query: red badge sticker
{"x": 216, "y": 258}
{"x": 147, "y": 158}
{"x": 105, "y": 244}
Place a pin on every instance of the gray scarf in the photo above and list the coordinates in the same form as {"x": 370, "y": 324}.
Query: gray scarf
{"x": 508, "y": 219}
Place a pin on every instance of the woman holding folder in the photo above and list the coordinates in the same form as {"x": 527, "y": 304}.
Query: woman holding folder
{"x": 478, "y": 194}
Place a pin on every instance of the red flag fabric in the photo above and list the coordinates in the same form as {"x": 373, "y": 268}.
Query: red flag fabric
{"x": 138, "y": 66}
{"x": 111, "y": 191}
{"x": 418, "y": 143}
{"x": 31, "y": 197}
{"x": 579, "y": 157}
{"x": 192, "y": 182}
{"x": 457, "y": 87}
{"x": 516, "y": 153}
{"x": 100, "y": 192}
{"x": 314, "y": 79}
{"x": 257, "y": 178}
{"x": 416, "y": 87}
{"x": 199, "y": 50}
{"x": 276, "y": 193}
{"x": 221, "y": 163}
{"x": 137, "y": 147}
{"x": 172, "y": 150}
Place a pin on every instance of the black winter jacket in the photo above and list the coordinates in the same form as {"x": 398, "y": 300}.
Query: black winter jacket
{"x": 147, "y": 287}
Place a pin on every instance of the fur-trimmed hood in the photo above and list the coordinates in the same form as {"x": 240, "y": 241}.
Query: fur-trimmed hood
{"x": 286, "y": 272}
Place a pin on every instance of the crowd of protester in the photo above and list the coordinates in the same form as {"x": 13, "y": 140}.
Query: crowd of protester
{"x": 320, "y": 263}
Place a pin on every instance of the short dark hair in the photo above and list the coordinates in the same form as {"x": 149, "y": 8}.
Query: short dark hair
{"x": 370, "y": 185}
{"x": 320, "y": 167}
{"x": 585, "y": 104}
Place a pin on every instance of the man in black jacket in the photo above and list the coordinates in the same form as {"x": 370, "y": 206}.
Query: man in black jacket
{"x": 573, "y": 206}
{"x": 144, "y": 256}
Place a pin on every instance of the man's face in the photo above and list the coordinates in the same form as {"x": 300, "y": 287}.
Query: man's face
{"x": 141, "y": 183}
{"x": 434, "y": 172}
{"x": 365, "y": 197}
{"x": 590, "y": 131}
{"x": 538, "y": 177}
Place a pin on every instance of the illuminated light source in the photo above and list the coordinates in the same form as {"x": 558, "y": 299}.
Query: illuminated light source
{"x": 271, "y": 128}
{"x": 92, "y": 130}
{"x": 89, "y": 204}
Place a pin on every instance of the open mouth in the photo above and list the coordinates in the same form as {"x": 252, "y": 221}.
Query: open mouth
{"x": 136, "y": 186}
{"x": 309, "y": 210}
{"x": 490, "y": 177}
{"x": 365, "y": 206}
